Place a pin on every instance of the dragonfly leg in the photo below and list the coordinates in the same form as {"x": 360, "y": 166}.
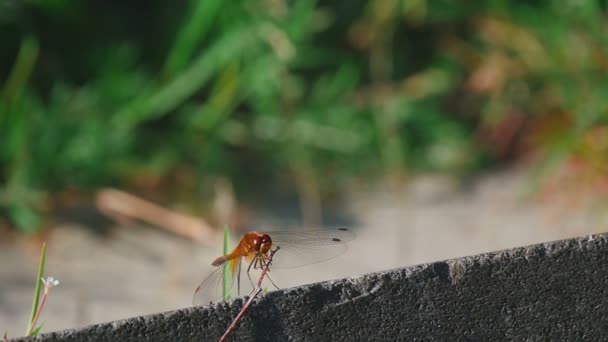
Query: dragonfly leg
{"x": 238, "y": 281}
{"x": 249, "y": 269}
{"x": 266, "y": 260}
{"x": 272, "y": 282}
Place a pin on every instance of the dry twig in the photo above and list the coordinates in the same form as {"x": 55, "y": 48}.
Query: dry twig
{"x": 255, "y": 293}
{"x": 119, "y": 205}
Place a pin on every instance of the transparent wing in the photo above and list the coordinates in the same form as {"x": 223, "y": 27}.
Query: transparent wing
{"x": 309, "y": 247}
{"x": 296, "y": 249}
{"x": 210, "y": 290}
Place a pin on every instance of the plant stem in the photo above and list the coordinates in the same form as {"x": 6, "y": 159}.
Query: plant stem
{"x": 255, "y": 293}
{"x": 37, "y": 293}
{"x": 35, "y": 321}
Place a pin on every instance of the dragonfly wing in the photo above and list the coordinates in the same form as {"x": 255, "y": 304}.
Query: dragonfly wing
{"x": 211, "y": 290}
{"x": 298, "y": 249}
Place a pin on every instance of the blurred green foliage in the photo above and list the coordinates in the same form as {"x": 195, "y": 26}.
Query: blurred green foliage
{"x": 109, "y": 92}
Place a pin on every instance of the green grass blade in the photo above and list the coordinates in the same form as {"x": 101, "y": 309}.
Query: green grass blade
{"x": 226, "y": 275}
{"x": 226, "y": 49}
{"x": 22, "y": 70}
{"x": 36, "y": 331}
{"x": 38, "y": 286}
{"x": 192, "y": 33}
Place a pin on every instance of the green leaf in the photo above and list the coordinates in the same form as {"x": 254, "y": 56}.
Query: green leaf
{"x": 36, "y": 331}
{"x": 37, "y": 293}
{"x": 225, "y": 49}
{"x": 25, "y": 218}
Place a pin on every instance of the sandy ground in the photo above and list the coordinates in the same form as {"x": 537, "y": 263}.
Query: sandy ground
{"x": 141, "y": 270}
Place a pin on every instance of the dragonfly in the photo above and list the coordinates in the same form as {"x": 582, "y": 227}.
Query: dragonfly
{"x": 295, "y": 249}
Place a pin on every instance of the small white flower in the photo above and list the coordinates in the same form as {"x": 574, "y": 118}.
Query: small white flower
{"x": 50, "y": 282}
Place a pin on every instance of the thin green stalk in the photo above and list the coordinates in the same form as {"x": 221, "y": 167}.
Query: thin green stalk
{"x": 226, "y": 274}
{"x": 37, "y": 293}
{"x": 24, "y": 64}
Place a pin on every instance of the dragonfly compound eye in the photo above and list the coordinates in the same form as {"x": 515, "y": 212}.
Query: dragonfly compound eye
{"x": 266, "y": 243}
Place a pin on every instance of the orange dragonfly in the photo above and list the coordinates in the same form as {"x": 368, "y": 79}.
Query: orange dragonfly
{"x": 296, "y": 249}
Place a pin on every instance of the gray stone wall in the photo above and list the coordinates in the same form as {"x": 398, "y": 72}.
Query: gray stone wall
{"x": 556, "y": 291}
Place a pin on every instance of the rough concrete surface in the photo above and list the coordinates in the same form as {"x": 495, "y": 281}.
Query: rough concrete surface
{"x": 556, "y": 291}
{"x": 134, "y": 270}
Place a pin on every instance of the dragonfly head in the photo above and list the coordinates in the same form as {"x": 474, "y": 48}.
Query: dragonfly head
{"x": 262, "y": 243}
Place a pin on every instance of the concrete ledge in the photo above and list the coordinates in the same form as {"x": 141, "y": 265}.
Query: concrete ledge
{"x": 551, "y": 291}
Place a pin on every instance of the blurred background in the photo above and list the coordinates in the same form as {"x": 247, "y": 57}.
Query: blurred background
{"x": 132, "y": 132}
